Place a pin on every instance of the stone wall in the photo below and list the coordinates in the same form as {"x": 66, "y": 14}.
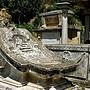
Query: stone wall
{"x": 73, "y": 52}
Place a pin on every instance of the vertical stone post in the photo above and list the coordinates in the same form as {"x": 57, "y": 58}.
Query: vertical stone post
{"x": 78, "y": 35}
{"x": 86, "y": 14}
{"x": 65, "y": 28}
{"x": 87, "y": 28}
{"x": 43, "y": 21}
{"x": 60, "y": 19}
{"x": 64, "y": 6}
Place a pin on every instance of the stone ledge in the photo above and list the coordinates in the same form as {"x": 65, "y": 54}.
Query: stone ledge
{"x": 62, "y": 47}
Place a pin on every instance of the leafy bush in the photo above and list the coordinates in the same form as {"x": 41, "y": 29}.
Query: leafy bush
{"x": 37, "y": 22}
{"x": 25, "y": 25}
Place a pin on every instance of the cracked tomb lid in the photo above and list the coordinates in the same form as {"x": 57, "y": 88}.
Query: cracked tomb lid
{"x": 24, "y": 51}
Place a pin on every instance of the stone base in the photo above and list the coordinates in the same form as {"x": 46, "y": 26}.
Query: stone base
{"x": 9, "y": 84}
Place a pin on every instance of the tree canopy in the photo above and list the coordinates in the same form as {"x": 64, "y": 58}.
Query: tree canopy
{"x": 24, "y": 10}
{"x": 21, "y": 10}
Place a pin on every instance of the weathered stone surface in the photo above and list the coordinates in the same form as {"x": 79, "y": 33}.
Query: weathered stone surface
{"x": 9, "y": 84}
{"x": 76, "y": 87}
{"x": 80, "y": 82}
{"x": 74, "y": 52}
{"x": 29, "y": 61}
{"x": 24, "y": 50}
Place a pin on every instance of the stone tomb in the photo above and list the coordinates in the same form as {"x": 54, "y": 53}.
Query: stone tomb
{"x": 25, "y": 59}
{"x": 51, "y": 32}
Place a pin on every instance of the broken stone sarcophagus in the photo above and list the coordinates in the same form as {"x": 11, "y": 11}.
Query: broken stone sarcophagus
{"x": 24, "y": 59}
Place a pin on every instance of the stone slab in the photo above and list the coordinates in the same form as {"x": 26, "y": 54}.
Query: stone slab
{"x": 9, "y": 84}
